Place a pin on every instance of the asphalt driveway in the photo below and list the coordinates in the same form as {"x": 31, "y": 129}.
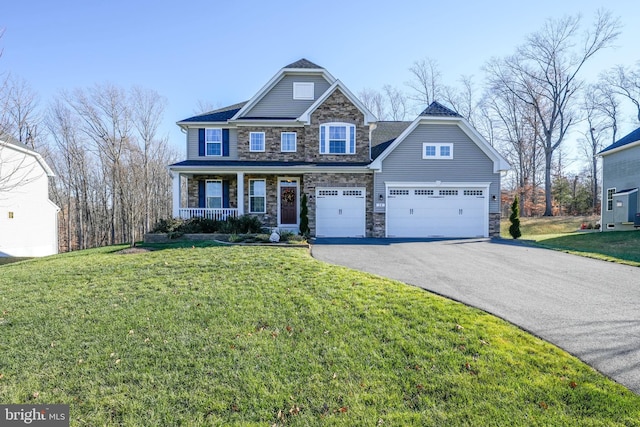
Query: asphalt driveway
{"x": 590, "y": 308}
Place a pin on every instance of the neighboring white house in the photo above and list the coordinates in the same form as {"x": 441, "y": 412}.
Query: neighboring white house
{"x": 28, "y": 219}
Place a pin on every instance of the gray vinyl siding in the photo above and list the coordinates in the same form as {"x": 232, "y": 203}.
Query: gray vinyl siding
{"x": 192, "y": 145}
{"x": 469, "y": 163}
{"x": 279, "y": 102}
{"x": 621, "y": 171}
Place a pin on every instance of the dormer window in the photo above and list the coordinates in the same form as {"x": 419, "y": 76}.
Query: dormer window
{"x": 338, "y": 138}
{"x": 303, "y": 91}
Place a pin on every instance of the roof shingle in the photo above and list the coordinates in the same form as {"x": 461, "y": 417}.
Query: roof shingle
{"x": 303, "y": 63}
{"x": 219, "y": 115}
{"x": 437, "y": 109}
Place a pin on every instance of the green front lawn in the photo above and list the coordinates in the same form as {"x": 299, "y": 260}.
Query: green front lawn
{"x": 257, "y": 336}
{"x": 618, "y": 246}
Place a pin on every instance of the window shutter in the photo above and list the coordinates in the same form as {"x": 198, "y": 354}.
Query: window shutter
{"x": 225, "y": 193}
{"x": 201, "y": 144}
{"x": 322, "y": 139}
{"x": 352, "y": 139}
{"x": 225, "y": 143}
{"x": 202, "y": 193}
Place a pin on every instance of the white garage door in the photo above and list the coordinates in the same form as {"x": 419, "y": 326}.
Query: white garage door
{"x": 340, "y": 212}
{"x": 437, "y": 212}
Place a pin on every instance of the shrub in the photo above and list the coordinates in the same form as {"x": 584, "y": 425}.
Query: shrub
{"x": 514, "y": 229}
{"x": 304, "y": 216}
{"x": 249, "y": 224}
{"x": 177, "y": 227}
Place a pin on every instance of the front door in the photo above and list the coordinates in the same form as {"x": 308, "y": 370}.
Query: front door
{"x": 288, "y": 203}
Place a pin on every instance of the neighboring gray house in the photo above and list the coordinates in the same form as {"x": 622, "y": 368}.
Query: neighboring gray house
{"x": 305, "y": 132}
{"x": 620, "y": 182}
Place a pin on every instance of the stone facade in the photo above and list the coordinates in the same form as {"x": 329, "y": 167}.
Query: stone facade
{"x": 316, "y": 180}
{"x": 192, "y": 189}
{"x": 379, "y": 224}
{"x": 337, "y": 108}
{"x": 272, "y": 144}
{"x": 494, "y": 225}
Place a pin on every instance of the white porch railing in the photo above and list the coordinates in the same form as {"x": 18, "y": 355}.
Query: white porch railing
{"x": 217, "y": 214}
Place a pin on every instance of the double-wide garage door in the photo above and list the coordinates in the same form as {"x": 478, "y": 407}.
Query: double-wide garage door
{"x": 340, "y": 212}
{"x": 437, "y": 212}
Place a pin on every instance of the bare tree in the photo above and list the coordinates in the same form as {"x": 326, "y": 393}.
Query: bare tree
{"x": 601, "y": 109}
{"x": 374, "y": 101}
{"x": 397, "y": 103}
{"x": 625, "y": 82}
{"x": 21, "y": 119}
{"x": 426, "y": 82}
{"x": 544, "y": 74}
{"x": 463, "y": 98}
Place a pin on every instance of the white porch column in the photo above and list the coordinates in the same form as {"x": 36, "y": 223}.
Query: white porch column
{"x": 240, "y": 193}
{"x": 176, "y": 194}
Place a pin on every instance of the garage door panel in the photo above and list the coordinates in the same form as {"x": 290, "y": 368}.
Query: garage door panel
{"x": 433, "y": 212}
{"x": 340, "y": 212}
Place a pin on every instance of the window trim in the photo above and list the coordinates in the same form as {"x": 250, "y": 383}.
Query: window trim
{"x": 610, "y": 192}
{"x": 349, "y": 141}
{"x": 264, "y": 142}
{"x": 295, "y": 142}
{"x": 438, "y": 150}
{"x": 253, "y": 196}
{"x": 207, "y": 197}
{"x": 207, "y": 143}
{"x": 301, "y": 91}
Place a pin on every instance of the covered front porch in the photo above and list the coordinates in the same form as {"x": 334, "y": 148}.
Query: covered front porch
{"x": 272, "y": 197}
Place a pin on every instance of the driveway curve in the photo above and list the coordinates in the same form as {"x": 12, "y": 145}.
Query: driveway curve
{"x": 588, "y": 307}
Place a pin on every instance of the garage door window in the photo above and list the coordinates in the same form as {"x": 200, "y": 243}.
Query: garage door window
{"x": 423, "y": 192}
{"x": 398, "y": 192}
{"x": 472, "y": 192}
{"x": 448, "y": 192}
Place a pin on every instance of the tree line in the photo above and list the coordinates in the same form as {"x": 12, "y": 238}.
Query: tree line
{"x": 529, "y": 103}
{"x": 112, "y": 184}
{"x": 104, "y": 146}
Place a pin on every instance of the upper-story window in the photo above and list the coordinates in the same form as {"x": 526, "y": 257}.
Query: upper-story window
{"x": 437, "y": 151}
{"x": 213, "y": 142}
{"x": 337, "y": 138}
{"x": 303, "y": 90}
{"x": 288, "y": 142}
{"x": 256, "y": 141}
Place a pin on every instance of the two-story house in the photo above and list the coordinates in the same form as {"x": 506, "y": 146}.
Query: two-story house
{"x": 28, "y": 219}
{"x": 305, "y": 132}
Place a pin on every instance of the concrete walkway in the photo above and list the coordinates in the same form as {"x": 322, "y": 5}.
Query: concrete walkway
{"x": 588, "y": 307}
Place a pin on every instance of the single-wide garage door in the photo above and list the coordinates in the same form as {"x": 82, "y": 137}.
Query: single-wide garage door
{"x": 340, "y": 212}
{"x": 437, "y": 212}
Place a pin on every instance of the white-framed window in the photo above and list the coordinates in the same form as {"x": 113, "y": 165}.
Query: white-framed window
{"x": 437, "y": 151}
{"x": 303, "y": 91}
{"x": 256, "y": 141}
{"x": 213, "y": 191}
{"x": 257, "y": 195}
{"x": 288, "y": 142}
{"x": 610, "y": 193}
{"x": 213, "y": 142}
{"x": 338, "y": 138}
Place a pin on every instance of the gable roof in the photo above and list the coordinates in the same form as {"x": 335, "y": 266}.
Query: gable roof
{"x": 368, "y": 115}
{"x": 17, "y": 146}
{"x": 220, "y": 115}
{"x": 302, "y": 66}
{"x": 437, "y": 109}
{"x": 627, "y": 141}
{"x": 499, "y": 162}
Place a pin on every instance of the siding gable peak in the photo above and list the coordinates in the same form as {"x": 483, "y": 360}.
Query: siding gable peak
{"x": 499, "y": 162}
{"x": 302, "y": 67}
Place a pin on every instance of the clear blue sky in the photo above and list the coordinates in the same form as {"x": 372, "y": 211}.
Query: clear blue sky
{"x": 223, "y": 52}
